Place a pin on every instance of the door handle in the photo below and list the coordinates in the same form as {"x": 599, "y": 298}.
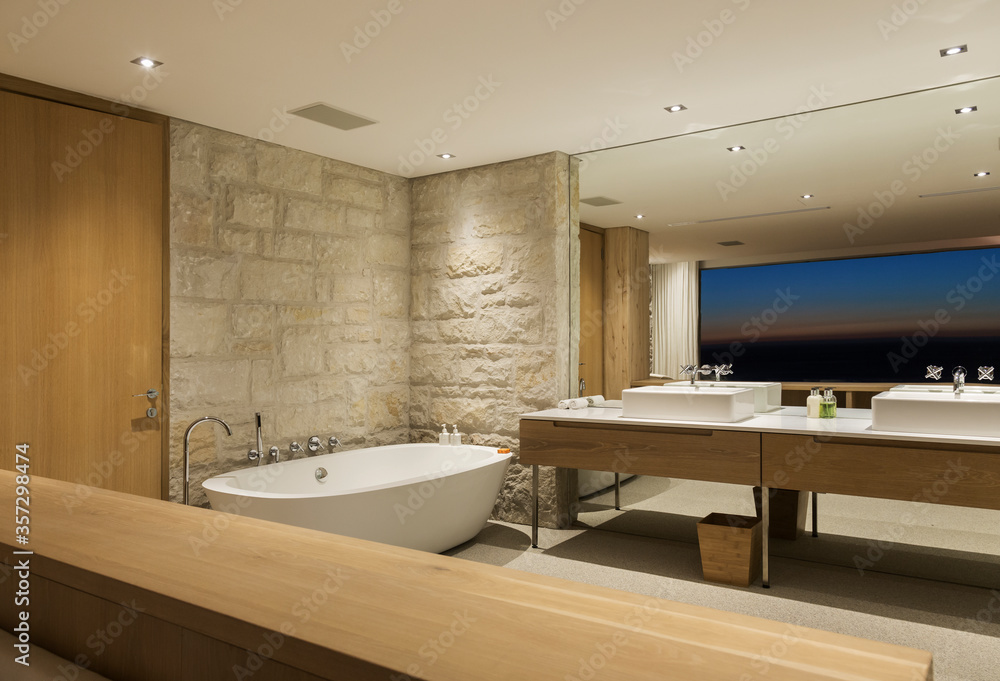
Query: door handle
{"x": 152, "y": 394}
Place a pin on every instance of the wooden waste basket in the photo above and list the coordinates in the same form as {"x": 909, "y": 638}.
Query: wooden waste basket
{"x": 730, "y": 548}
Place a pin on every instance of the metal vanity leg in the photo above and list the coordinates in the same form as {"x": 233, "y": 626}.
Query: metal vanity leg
{"x": 815, "y": 496}
{"x": 765, "y": 505}
{"x": 618, "y": 492}
{"x": 534, "y": 506}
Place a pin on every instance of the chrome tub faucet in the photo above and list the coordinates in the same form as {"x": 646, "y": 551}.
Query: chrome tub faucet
{"x": 187, "y": 450}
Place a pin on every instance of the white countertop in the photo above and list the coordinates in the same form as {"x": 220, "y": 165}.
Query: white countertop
{"x": 786, "y": 420}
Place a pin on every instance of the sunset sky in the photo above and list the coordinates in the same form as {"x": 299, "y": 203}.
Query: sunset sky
{"x": 880, "y": 297}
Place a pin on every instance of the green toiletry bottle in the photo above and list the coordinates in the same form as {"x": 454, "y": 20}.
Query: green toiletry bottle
{"x": 828, "y": 406}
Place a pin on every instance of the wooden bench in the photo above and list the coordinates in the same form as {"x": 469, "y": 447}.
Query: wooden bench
{"x": 202, "y": 595}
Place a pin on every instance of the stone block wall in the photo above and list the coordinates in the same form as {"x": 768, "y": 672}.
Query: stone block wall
{"x": 490, "y": 311}
{"x": 290, "y": 295}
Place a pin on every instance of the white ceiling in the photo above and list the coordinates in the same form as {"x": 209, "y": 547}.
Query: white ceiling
{"x": 890, "y": 175}
{"x": 567, "y": 72}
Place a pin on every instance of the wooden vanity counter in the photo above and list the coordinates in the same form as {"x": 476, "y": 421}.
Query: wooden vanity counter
{"x": 207, "y": 594}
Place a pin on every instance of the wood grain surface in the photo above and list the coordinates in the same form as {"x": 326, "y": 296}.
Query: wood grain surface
{"x": 360, "y": 610}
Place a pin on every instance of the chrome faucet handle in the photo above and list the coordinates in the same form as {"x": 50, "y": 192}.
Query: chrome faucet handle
{"x": 275, "y": 453}
{"x": 688, "y": 369}
{"x": 934, "y": 371}
{"x": 959, "y": 372}
{"x": 253, "y": 455}
{"x": 722, "y": 370}
{"x": 985, "y": 373}
{"x": 314, "y": 444}
{"x": 294, "y": 447}
{"x": 333, "y": 442}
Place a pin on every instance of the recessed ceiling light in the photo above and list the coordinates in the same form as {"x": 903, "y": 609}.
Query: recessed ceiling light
{"x": 731, "y": 243}
{"x": 967, "y": 109}
{"x": 958, "y": 49}
{"x": 981, "y": 173}
{"x": 738, "y": 147}
{"x": 807, "y": 196}
{"x": 146, "y": 62}
{"x": 675, "y": 108}
{"x": 640, "y": 216}
{"x": 446, "y": 156}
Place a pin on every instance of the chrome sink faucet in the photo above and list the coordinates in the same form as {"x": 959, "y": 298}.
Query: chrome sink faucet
{"x": 959, "y": 375}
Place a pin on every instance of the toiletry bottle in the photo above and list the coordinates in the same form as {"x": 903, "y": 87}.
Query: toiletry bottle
{"x": 444, "y": 438}
{"x": 456, "y": 437}
{"x": 812, "y": 404}
{"x": 828, "y": 407}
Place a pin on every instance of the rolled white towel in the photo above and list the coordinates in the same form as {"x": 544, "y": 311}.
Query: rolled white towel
{"x": 564, "y": 404}
{"x": 595, "y": 400}
{"x": 579, "y": 403}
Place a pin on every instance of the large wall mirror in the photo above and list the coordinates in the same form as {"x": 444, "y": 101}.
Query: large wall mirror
{"x": 887, "y": 176}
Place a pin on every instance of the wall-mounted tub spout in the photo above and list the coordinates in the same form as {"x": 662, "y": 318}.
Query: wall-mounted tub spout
{"x": 187, "y": 450}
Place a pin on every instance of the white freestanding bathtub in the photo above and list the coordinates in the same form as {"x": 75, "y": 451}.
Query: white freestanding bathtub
{"x": 421, "y": 496}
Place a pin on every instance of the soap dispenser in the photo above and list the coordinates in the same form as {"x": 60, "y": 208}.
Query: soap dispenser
{"x": 456, "y": 437}
{"x": 828, "y": 407}
{"x": 444, "y": 438}
{"x": 812, "y": 404}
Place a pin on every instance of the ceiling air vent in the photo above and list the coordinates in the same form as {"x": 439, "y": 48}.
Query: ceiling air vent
{"x": 335, "y": 118}
{"x": 599, "y": 201}
{"x": 731, "y": 243}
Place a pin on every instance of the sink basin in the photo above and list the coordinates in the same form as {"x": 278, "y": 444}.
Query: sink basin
{"x": 937, "y": 413}
{"x": 939, "y": 388}
{"x": 766, "y": 396}
{"x": 687, "y": 403}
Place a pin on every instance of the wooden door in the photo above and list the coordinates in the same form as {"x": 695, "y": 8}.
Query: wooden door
{"x": 81, "y": 214}
{"x": 592, "y": 311}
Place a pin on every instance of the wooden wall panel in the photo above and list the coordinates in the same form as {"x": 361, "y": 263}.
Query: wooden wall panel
{"x": 626, "y": 308}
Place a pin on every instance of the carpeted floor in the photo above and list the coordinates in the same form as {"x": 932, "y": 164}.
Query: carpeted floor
{"x": 929, "y": 577}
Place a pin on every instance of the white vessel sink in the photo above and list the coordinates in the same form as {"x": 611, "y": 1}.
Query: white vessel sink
{"x": 687, "y": 403}
{"x": 766, "y": 396}
{"x": 939, "y": 388}
{"x": 937, "y": 413}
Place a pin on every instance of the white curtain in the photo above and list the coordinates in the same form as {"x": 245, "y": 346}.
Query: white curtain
{"x": 675, "y": 316}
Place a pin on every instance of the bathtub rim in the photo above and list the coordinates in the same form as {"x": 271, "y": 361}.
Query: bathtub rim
{"x": 220, "y": 482}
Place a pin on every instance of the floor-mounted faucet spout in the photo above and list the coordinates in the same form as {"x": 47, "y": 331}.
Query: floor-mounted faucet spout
{"x": 187, "y": 449}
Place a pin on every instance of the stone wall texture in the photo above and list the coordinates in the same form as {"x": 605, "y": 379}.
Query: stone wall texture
{"x": 290, "y": 295}
{"x": 490, "y": 311}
